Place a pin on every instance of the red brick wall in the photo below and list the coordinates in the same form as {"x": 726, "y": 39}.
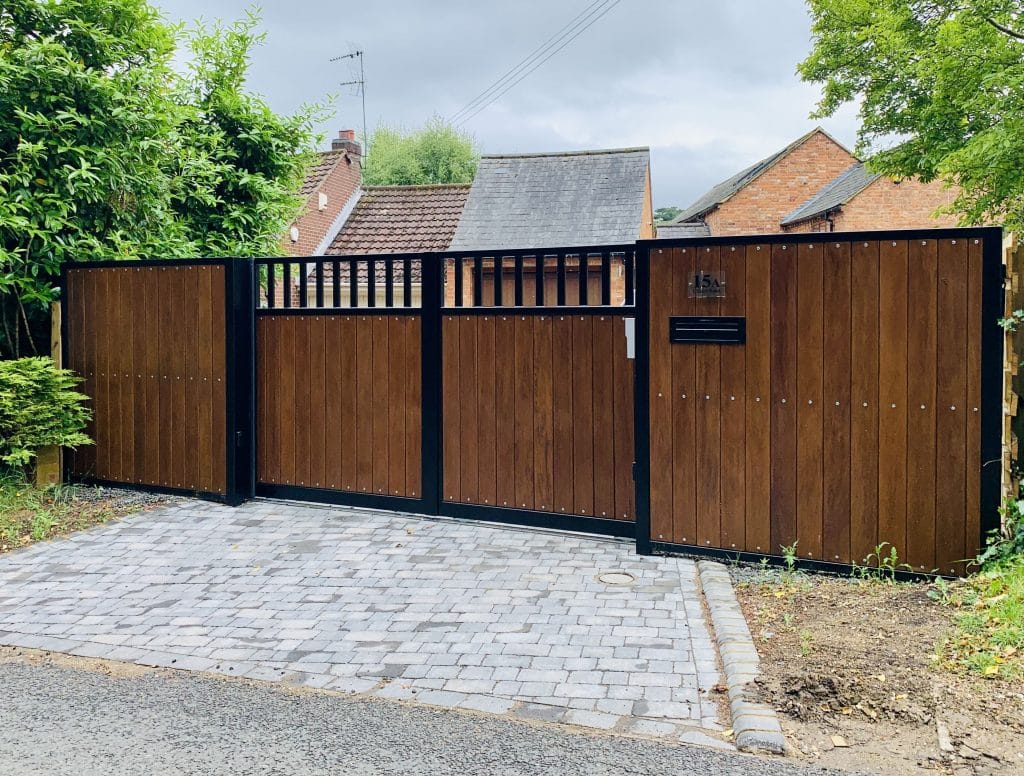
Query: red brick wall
{"x": 341, "y": 183}
{"x": 886, "y": 204}
{"x": 760, "y": 206}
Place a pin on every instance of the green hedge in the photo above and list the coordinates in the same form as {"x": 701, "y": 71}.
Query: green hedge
{"x": 39, "y": 406}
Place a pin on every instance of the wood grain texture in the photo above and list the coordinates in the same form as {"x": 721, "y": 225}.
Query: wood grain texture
{"x": 784, "y": 396}
{"x": 733, "y": 414}
{"x": 836, "y": 406}
{"x": 864, "y": 408}
{"x": 809, "y": 399}
{"x": 674, "y": 415}
{"x": 758, "y": 386}
{"x": 142, "y": 338}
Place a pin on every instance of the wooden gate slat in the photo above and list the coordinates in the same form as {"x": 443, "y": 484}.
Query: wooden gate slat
{"x": 524, "y": 412}
{"x": 864, "y": 418}
{"x": 562, "y": 415}
{"x": 836, "y": 409}
{"x": 413, "y": 409}
{"x": 317, "y": 368}
{"x": 603, "y": 418}
{"x": 708, "y": 403}
{"x": 973, "y": 539}
{"x": 922, "y": 343}
{"x": 784, "y": 357}
{"x": 733, "y": 392}
{"x": 892, "y": 395}
{"x": 583, "y": 414}
{"x": 287, "y": 365}
{"x": 661, "y": 385}
{"x": 334, "y": 432}
{"x": 398, "y": 377}
{"x": 451, "y": 485}
{"x": 622, "y": 397}
{"x": 808, "y": 398}
{"x": 544, "y": 365}
{"x": 505, "y": 409}
{"x": 951, "y": 426}
{"x": 758, "y": 384}
{"x": 468, "y": 402}
{"x": 487, "y": 472}
{"x": 379, "y": 403}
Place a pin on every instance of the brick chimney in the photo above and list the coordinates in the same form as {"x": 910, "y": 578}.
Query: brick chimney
{"x": 346, "y": 141}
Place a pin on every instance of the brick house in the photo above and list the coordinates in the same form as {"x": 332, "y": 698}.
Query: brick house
{"x": 813, "y": 184}
{"x": 329, "y": 189}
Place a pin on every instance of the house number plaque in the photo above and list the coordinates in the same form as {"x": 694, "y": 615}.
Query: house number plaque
{"x": 705, "y": 284}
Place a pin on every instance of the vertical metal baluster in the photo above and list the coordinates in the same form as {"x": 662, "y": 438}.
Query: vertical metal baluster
{"x": 271, "y": 287}
{"x": 407, "y": 281}
{"x": 539, "y": 275}
{"x": 499, "y": 280}
{"x": 286, "y": 284}
{"x": 319, "y": 283}
{"x": 584, "y": 278}
{"x": 459, "y": 290}
{"x": 371, "y": 282}
{"x": 606, "y": 278}
{"x": 478, "y": 281}
{"x": 389, "y": 282}
{"x": 560, "y": 269}
{"x": 353, "y": 283}
{"x": 519, "y": 281}
{"x": 630, "y": 259}
{"x": 303, "y": 285}
{"x": 336, "y": 283}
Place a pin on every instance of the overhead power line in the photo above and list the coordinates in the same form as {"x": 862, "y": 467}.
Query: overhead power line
{"x": 535, "y": 59}
{"x": 525, "y": 61}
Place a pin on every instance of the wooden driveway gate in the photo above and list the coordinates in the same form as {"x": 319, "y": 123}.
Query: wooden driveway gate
{"x": 835, "y": 392}
{"x": 492, "y": 386}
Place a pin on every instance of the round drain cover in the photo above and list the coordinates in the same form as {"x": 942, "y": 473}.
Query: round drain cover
{"x": 616, "y": 578}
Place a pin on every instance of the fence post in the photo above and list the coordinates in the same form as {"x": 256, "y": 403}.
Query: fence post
{"x": 50, "y": 459}
{"x": 433, "y": 278}
{"x": 240, "y": 286}
{"x": 641, "y": 405}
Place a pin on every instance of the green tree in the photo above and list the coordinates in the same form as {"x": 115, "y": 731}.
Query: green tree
{"x": 665, "y": 214}
{"x": 940, "y": 86}
{"x": 435, "y": 153}
{"x": 107, "y": 153}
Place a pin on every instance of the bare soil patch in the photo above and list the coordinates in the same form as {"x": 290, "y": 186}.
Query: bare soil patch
{"x": 850, "y": 666}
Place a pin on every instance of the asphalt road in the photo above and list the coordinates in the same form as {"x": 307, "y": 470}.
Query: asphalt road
{"x": 62, "y": 719}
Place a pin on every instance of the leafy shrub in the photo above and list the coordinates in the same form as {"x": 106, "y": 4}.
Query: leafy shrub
{"x": 1006, "y": 543}
{"x": 39, "y": 407}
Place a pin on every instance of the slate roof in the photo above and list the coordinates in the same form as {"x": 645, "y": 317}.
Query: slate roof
{"x": 837, "y": 193}
{"x": 399, "y": 219}
{"x": 720, "y": 192}
{"x": 555, "y": 200}
{"x": 318, "y": 172}
{"x": 686, "y": 229}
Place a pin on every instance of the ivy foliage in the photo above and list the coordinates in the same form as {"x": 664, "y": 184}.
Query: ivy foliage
{"x": 435, "y": 153}
{"x": 107, "y": 152}
{"x": 39, "y": 406}
{"x": 940, "y": 89}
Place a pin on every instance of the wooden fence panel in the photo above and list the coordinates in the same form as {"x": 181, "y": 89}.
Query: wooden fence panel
{"x": 339, "y": 385}
{"x": 548, "y": 409}
{"x": 859, "y": 383}
{"x": 149, "y": 343}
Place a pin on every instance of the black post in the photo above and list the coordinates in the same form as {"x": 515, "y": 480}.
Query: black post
{"x": 641, "y": 405}
{"x": 992, "y": 339}
{"x": 430, "y": 367}
{"x": 240, "y": 280}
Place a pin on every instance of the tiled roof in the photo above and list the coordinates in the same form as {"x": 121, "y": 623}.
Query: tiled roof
{"x": 720, "y": 192}
{"x": 319, "y": 171}
{"x": 848, "y": 185}
{"x": 554, "y": 200}
{"x": 685, "y": 229}
{"x": 399, "y": 219}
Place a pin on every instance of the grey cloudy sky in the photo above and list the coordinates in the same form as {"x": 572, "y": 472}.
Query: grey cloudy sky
{"x": 709, "y": 85}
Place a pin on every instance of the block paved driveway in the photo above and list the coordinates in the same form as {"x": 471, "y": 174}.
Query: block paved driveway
{"x": 502, "y": 620}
